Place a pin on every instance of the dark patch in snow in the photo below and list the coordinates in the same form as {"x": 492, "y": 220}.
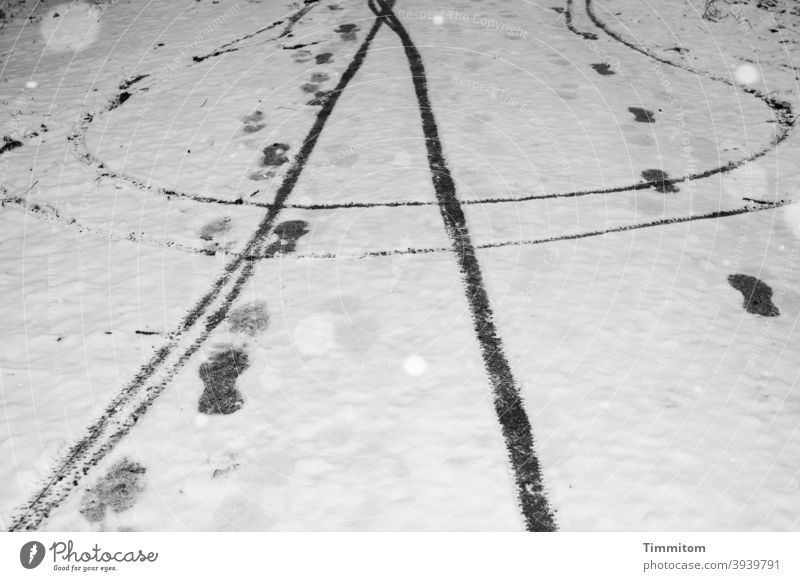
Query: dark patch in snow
{"x": 319, "y": 77}
{"x": 118, "y": 490}
{"x": 323, "y": 58}
{"x": 251, "y": 122}
{"x": 253, "y": 128}
{"x": 253, "y": 117}
{"x": 661, "y": 180}
{"x": 249, "y": 319}
{"x": 258, "y": 176}
{"x": 274, "y": 155}
{"x": 347, "y": 32}
{"x": 602, "y": 68}
{"x": 219, "y": 375}
{"x": 642, "y": 115}
{"x": 756, "y": 293}
{"x": 119, "y": 100}
{"x": 219, "y": 226}
{"x": 9, "y": 144}
{"x": 309, "y": 87}
{"x": 288, "y": 232}
{"x": 302, "y": 56}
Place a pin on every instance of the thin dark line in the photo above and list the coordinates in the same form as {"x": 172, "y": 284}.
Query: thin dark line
{"x": 617, "y": 229}
{"x": 507, "y": 399}
{"x": 79, "y": 459}
{"x": 627, "y": 227}
{"x": 781, "y": 109}
{"x": 293, "y": 19}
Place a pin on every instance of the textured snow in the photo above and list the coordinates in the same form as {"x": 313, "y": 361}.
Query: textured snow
{"x": 657, "y": 401}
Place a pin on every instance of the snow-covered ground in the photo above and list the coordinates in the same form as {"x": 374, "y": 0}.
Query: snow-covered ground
{"x": 233, "y": 299}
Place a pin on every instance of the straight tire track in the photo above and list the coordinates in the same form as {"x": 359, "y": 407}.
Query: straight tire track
{"x": 508, "y": 404}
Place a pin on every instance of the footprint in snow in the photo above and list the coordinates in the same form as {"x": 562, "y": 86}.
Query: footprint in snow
{"x": 275, "y": 154}
{"x": 219, "y": 375}
{"x": 273, "y": 157}
{"x": 757, "y": 295}
{"x": 250, "y": 319}
{"x": 302, "y": 56}
{"x": 316, "y": 80}
{"x": 118, "y": 491}
{"x": 662, "y": 182}
{"x": 347, "y": 32}
{"x": 642, "y": 115}
{"x": 251, "y": 122}
{"x": 603, "y": 68}
{"x": 323, "y": 58}
{"x": 214, "y": 228}
{"x": 288, "y": 233}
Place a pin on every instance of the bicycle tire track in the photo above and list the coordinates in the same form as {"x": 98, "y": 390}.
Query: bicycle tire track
{"x": 230, "y": 46}
{"x": 52, "y": 215}
{"x": 516, "y": 426}
{"x": 782, "y": 110}
{"x": 571, "y": 27}
{"x": 140, "y": 393}
{"x": 764, "y": 205}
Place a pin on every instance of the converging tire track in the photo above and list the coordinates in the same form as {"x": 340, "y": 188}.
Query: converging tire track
{"x": 509, "y": 408}
{"x": 137, "y": 396}
{"x": 782, "y": 112}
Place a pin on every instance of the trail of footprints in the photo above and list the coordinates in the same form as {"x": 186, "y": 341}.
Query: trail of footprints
{"x": 116, "y": 492}
{"x": 274, "y": 155}
{"x": 221, "y": 371}
{"x": 120, "y": 488}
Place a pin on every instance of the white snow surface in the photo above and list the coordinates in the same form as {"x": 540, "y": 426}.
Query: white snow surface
{"x": 657, "y": 401}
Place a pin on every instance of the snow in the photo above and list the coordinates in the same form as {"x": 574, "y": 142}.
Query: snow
{"x": 657, "y": 401}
